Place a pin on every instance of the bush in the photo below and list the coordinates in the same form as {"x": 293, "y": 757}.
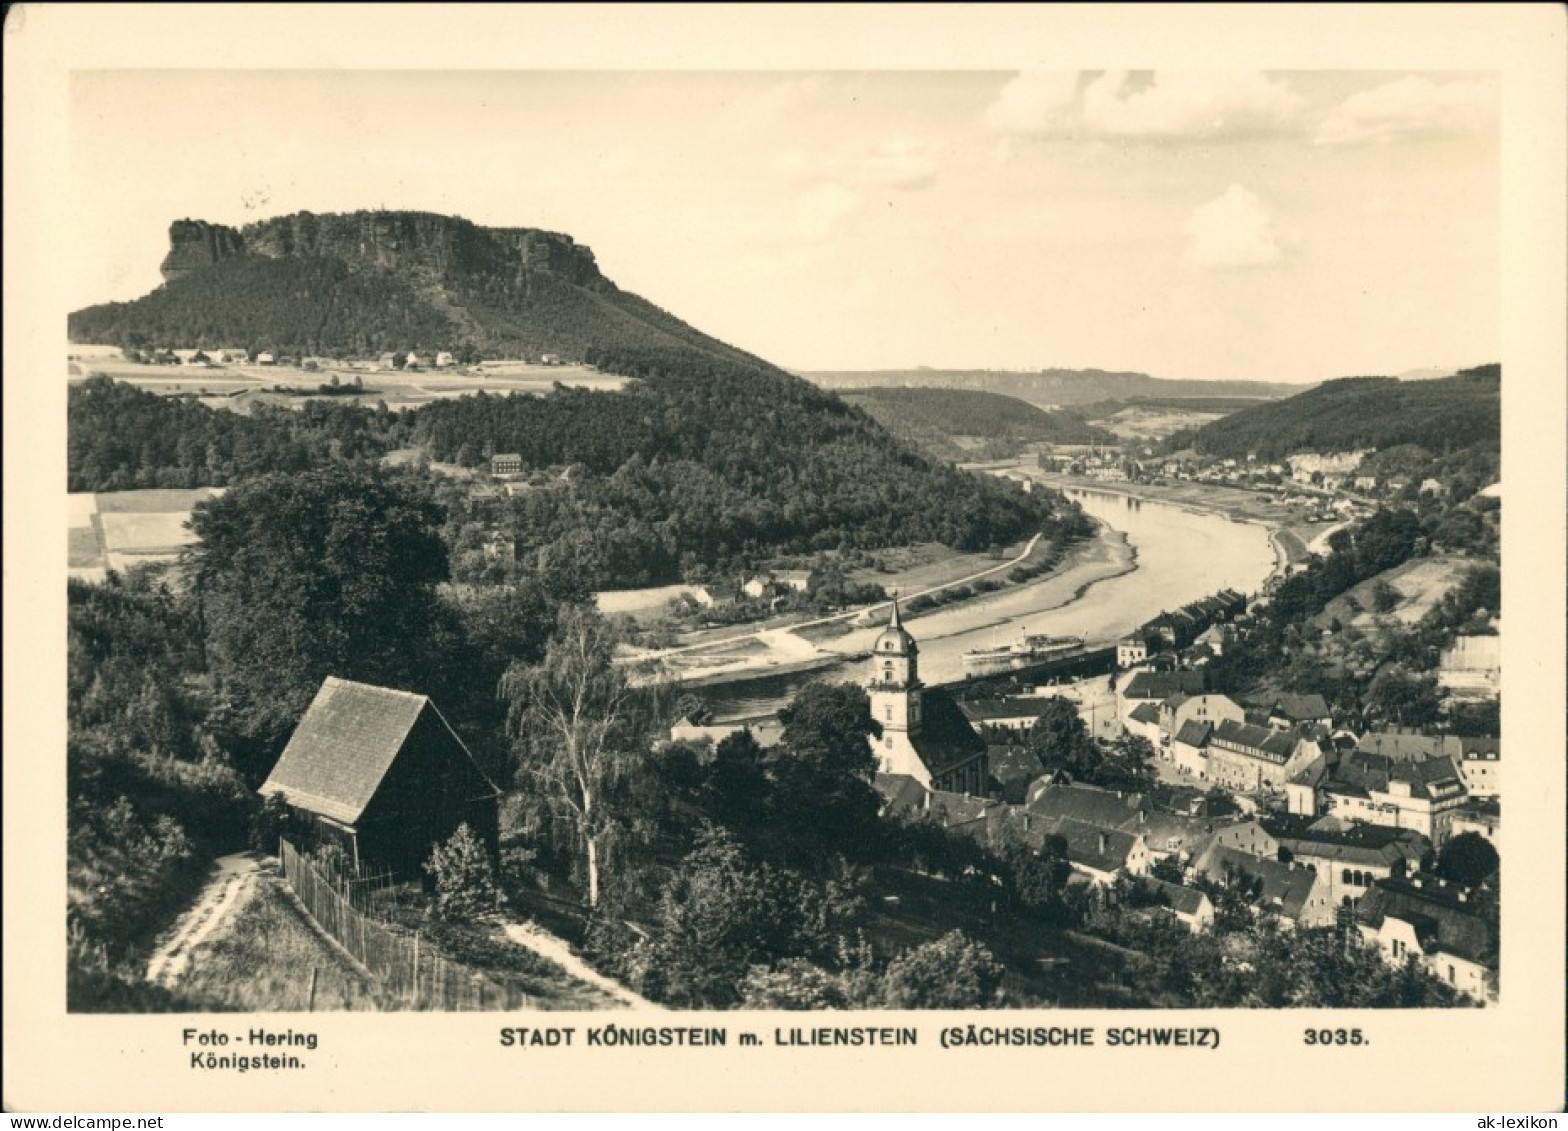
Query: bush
{"x": 464, "y": 878}
{"x": 951, "y": 973}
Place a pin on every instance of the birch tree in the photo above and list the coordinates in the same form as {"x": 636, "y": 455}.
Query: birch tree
{"x": 570, "y": 721}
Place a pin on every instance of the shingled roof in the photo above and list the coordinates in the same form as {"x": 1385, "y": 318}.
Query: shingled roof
{"x": 344, "y": 746}
{"x": 1162, "y": 685}
{"x": 1255, "y": 741}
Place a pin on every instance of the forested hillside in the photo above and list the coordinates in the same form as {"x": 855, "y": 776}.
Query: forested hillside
{"x": 700, "y": 463}
{"x": 1354, "y": 413}
{"x": 959, "y": 424}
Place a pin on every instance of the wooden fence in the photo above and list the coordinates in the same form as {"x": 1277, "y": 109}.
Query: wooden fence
{"x": 413, "y": 975}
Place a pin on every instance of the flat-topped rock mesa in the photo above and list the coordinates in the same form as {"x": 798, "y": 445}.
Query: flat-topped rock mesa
{"x": 194, "y": 244}
{"x": 446, "y": 246}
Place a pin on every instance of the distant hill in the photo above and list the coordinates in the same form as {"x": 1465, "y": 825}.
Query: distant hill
{"x": 1216, "y": 406}
{"x": 360, "y": 283}
{"x": 1442, "y": 416}
{"x": 1050, "y": 387}
{"x": 962, "y": 424}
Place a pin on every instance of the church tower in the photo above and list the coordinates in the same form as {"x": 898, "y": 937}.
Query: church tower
{"x": 894, "y": 691}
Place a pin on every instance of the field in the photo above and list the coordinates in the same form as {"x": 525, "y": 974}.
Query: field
{"x": 1145, "y": 425}
{"x": 1421, "y": 584}
{"x": 912, "y": 568}
{"x": 239, "y": 387}
{"x": 120, "y": 529}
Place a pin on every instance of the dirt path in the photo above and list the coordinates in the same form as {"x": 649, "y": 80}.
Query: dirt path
{"x": 232, "y": 883}
{"x": 546, "y": 945}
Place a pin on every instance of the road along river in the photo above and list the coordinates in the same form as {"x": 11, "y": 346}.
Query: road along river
{"x": 1171, "y": 556}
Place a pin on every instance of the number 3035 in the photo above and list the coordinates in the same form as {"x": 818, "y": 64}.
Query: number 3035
{"x": 1334, "y": 1037}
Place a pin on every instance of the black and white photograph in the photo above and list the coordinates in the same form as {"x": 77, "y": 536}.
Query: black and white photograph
{"x": 638, "y": 548}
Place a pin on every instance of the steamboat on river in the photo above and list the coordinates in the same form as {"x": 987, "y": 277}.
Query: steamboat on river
{"x": 1032, "y": 649}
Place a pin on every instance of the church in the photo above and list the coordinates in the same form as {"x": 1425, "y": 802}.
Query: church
{"x": 924, "y": 734}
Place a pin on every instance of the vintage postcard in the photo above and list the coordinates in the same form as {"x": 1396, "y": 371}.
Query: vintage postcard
{"x": 639, "y": 558}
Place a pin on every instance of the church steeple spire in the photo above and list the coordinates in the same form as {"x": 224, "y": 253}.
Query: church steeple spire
{"x": 893, "y": 621}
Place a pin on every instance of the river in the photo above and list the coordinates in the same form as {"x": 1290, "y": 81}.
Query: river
{"x": 1182, "y": 555}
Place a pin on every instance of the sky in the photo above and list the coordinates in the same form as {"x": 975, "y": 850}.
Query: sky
{"x": 1239, "y": 225}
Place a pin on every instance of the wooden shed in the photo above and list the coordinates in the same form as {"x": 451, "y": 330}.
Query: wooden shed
{"x": 381, "y": 773}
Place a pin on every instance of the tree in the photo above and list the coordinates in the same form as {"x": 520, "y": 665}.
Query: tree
{"x": 953, "y": 972}
{"x": 568, "y": 718}
{"x": 298, "y": 577}
{"x": 721, "y": 915}
{"x": 1061, "y": 740}
{"x": 1467, "y": 860}
{"x": 823, "y": 766}
{"x": 464, "y": 877}
{"x": 1401, "y": 697}
{"x": 1385, "y": 598}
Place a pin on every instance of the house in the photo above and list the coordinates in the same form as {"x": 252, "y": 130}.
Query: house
{"x": 265, "y": 358}
{"x": 1481, "y": 816}
{"x": 1248, "y": 758}
{"x": 509, "y": 463}
{"x": 1190, "y": 748}
{"x": 1016, "y": 714}
{"x": 1177, "y": 628}
{"x": 496, "y": 547}
{"x": 1417, "y": 921}
{"x": 1216, "y": 638}
{"x": 381, "y": 774}
{"x": 1155, "y": 688}
{"x": 1177, "y": 710}
{"x": 1163, "y": 834}
{"x": 1349, "y": 858}
{"x": 777, "y": 581}
{"x": 1189, "y": 905}
{"x": 1471, "y": 667}
{"x": 1292, "y": 712}
{"x": 386, "y": 361}
{"x": 444, "y": 359}
{"x": 797, "y": 579}
{"x": 1375, "y": 789}
{"x": 924, "y": 733}
{"x": 767, "y": 732}
{"x": 1249, "y": 837}
{"x": 1366, "y": 483}
{"x": 1144, "y": 722}
{"x": 902, "y": 796}
{"x": 1100, "y": 854}
{"x": 1135, "y": 649}
{"x": 1433, "y": 487}
{"x": 1293, "y": 893}
{"x": 1481, "y": 767}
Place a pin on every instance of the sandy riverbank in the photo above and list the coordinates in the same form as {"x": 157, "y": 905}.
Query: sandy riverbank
{"x": 1285, "y": 528}
{"x": 780, "y": 648}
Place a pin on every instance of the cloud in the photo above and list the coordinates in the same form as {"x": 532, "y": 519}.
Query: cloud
{"x": 1190, "y": 104}
{"x": 1035, "y": 102}
{"x": 756, "y": 111}
{"x": 894, "y": 164}
{"x": 1156, "y": 105}
{"x": 1235, "y": 229}
{"x": 1409, "y": 107}
{"x": 899, "y": 164}
{"x": 822, "y": 212}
